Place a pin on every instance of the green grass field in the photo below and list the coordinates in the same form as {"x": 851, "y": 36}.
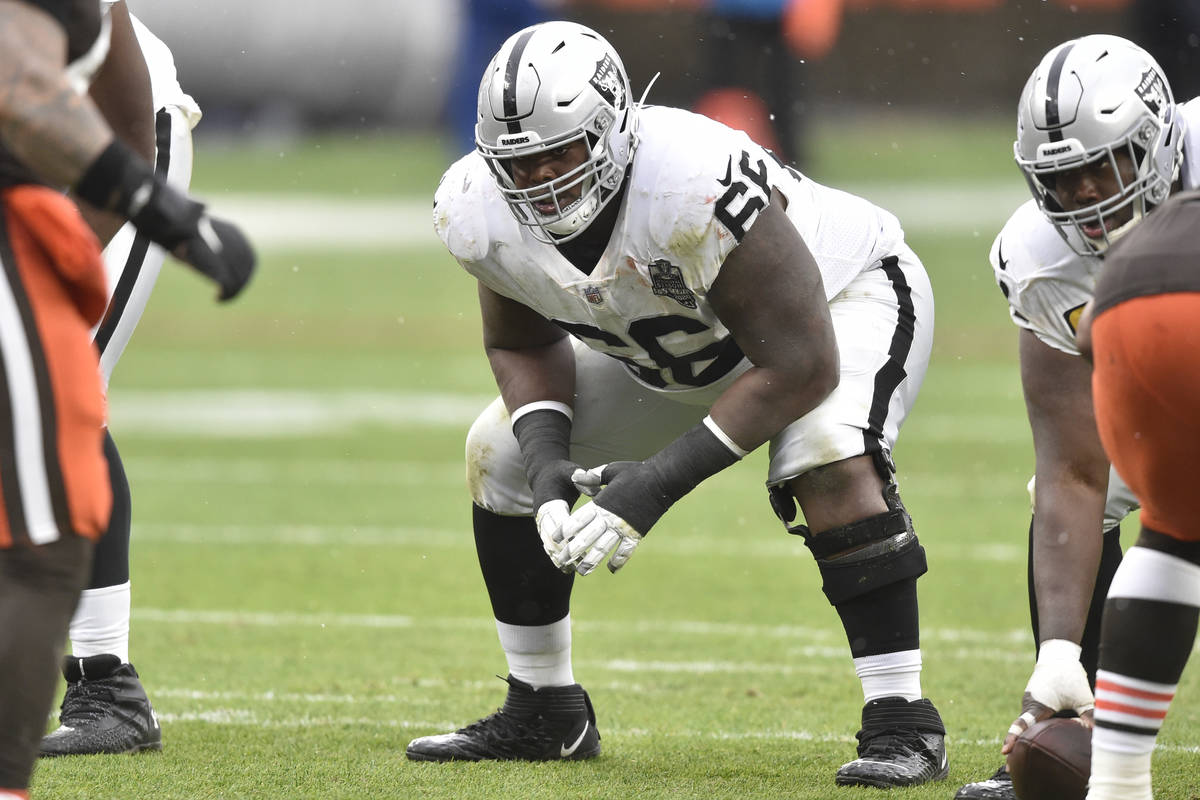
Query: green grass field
{"x": 306, "y": 595}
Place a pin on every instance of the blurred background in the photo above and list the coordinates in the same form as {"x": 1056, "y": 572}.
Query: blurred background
{"x": 260, "y": 68}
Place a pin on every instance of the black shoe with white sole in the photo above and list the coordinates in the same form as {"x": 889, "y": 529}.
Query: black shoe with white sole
{"x": 105, "y": 710}
{"x": 548, "y": 724}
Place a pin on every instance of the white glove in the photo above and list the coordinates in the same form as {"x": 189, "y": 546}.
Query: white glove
{"x": 552, "y": 514}
{"x": 1059, "y": 681}
{"x": 589, "y": 535}
{"x": 549, "y": 517}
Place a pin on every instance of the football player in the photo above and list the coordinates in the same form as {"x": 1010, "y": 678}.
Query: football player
{"x": 53, "y": 475}
{"x": 661, "y": 296}
{"x": 1142, "y": 330}
{"x": 1101, "y": 143}
{"x": 105, "y": 708}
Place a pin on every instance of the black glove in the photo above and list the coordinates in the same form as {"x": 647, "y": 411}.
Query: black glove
{"x": 640, "y": 492}
{"x": 214, "y": 247}
{"x": 121, "y": 182}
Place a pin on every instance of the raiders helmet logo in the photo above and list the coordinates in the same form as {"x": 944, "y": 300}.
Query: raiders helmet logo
{"x": 607, "y": 82}
{"x": 1153, "y": 91}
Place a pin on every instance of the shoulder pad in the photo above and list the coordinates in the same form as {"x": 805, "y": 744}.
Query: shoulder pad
{"x": 459, "y": 217}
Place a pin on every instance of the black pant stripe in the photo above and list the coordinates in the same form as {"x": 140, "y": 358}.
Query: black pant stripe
{"x": 9, "y": 482}
{"x": 45, "y": 391}
{"x": 889, "y": 376}
{"x": 137, "y": 252}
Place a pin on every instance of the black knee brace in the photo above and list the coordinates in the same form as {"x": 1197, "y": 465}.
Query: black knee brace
{"x": 862, "y": 556}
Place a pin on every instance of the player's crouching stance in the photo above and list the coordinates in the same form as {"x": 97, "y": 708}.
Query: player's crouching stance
{"x": 661, "y": 296}
{"x": 1102, "y": 144}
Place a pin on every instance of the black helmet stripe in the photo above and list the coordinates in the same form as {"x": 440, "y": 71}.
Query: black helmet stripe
{"x": 510, "y": 80}
{"x": 1052, "y": 80}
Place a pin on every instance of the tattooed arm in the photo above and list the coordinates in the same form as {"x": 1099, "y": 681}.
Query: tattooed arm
{"x": 44, "y": 123}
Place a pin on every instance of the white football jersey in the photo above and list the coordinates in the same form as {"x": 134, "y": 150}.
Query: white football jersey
{"x": 164, "y": 81}
{"x": 694, "y": 188}
{"x": 1045, "y": 281}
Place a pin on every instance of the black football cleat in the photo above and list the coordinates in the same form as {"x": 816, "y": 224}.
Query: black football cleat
{"x": 997, "y": 787}
{"x": 104, "y": 710}
{"x": 901, "y": 743}
{"x": 549, "y": 724}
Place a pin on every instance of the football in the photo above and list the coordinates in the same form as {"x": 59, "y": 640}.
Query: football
{"x": 1051, "y": 760}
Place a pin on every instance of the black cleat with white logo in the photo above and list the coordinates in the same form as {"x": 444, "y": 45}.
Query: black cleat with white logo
{"x": 104, "y": 710}
{"x": 901, "y": 743}
{"x": 548, "y": 724}
{"x": 997, "y": 787}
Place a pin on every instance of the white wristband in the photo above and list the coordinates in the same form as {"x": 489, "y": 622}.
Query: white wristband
{"x": 725, "y": 440}
{"x": 543, "y": 405}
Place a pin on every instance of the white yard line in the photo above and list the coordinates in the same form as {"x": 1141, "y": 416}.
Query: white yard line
{"x": 255, "y": 413}
{"x": 265, "y": 413}
{"x": 244, "y": 717}
{"x": 772, "y": 544}
{"x": 1004, "y": 641}
{"x": 293, "y": 471}
{"x": 312, "y": 220}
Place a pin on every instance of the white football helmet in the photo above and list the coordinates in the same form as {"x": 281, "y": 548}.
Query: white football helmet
{"x": 1089, "y": 99}
{"x": 551, "y": 85}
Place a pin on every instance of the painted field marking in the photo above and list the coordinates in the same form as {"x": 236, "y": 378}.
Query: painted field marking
{"x": 302, "y": 221}
{"x": 697, "y": 543}
{"x": 1013, "y": 641}
{"x": 247, "y": 717}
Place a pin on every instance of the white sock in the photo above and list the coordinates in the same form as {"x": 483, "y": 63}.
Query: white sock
{"x": 101, "y": 623}
{"x": 1118, "y": 774}
{"x": 540, "y": 655}
{"x": 890, "y": 675}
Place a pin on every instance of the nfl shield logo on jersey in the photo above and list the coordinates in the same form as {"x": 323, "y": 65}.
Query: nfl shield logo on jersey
{"x": 593, "y": 295}
{"x": 666, "y": 280}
